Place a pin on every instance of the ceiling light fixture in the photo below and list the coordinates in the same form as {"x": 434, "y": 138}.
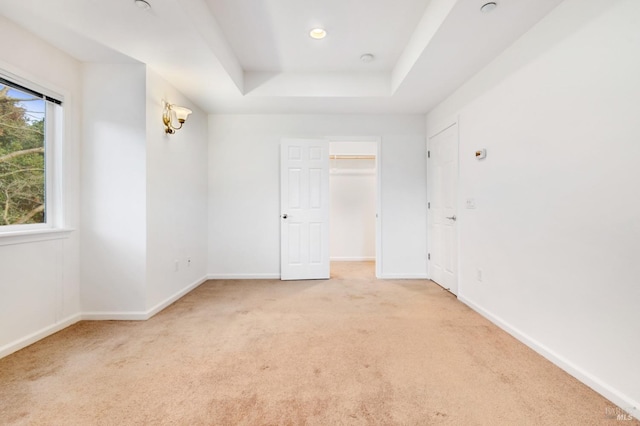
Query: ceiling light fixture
{"x": 142, "y": 4}
{"x": 367, "y": 57}
{"x": 169, "y": 112}
{"x": 488, "y": 7}
{"x": 318, "y": 33}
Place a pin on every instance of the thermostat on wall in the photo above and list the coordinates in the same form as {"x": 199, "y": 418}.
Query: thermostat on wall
{"x": 481, "y": 153}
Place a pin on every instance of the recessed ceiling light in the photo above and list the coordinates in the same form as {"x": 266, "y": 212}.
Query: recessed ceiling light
{"x": 367, "y": 57}
{"x": 318, "y": 33}
{"x": 488, "y": 7}
{"x": 142, "y": 4}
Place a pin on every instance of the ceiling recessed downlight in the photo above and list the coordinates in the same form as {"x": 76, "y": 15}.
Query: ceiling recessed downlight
{"x": 142, "y": 4}
{"x": 318, "y": 33}
{"x": 488, "y": 7}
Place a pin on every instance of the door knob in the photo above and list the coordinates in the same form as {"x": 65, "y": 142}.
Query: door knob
{"x": 452, "y": 217}
{"x": 284, "y": 216}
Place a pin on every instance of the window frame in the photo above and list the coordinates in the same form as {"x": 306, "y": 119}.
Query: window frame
{"x": 53, "y": 227}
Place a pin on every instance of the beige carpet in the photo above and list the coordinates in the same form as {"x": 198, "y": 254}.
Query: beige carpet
{"x": 351, "y": 350}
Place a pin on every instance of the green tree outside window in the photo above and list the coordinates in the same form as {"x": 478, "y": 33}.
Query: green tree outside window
{"x": 22, "y": 157}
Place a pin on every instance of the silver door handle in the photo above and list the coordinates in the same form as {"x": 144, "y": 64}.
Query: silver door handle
{"x": 452, "y": 217}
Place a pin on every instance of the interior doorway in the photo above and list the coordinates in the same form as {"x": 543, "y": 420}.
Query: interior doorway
{"x": 354, "y": 201}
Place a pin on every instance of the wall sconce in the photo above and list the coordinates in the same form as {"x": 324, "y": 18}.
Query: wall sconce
{"x": 180, "y": 113}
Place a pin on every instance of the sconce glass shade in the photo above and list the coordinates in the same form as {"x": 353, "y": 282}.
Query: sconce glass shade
{"x": 170, "y": 111}
{"x": 181, "y": 113}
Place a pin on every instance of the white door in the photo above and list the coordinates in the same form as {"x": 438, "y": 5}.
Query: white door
{"x": 443, "y": 195}
{"x": 304, "y": 209}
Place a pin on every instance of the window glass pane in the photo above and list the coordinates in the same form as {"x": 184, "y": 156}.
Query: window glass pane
{"x": 22, "y": 157}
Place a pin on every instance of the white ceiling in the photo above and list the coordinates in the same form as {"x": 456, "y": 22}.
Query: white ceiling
{"x": 272, "y": 35}
{"x": 255, "y": 56}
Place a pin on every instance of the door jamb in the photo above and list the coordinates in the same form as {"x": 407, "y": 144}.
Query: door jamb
{"x": 378, "y": 141}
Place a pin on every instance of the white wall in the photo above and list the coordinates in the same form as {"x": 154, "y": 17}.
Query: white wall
{"x": 556, "y": 231}
{"x": 145, "y": 196}
{"x": 39, "y": 282}
{"x": 114, "y": 214}
{"x": 353, "y": 214}
{"x": 176, "y": 196}
{"x": 244, "y": 188}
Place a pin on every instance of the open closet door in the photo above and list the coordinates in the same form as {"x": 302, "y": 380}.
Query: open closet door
{"x": 304, "y": 209}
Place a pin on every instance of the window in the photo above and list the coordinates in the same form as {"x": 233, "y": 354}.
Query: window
{"x": 29, "y": 129}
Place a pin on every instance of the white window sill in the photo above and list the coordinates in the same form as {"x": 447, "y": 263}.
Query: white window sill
{"x": 31, "y": 236}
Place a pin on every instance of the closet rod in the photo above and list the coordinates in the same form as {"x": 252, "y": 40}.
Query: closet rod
{"x": 352, "y": 157}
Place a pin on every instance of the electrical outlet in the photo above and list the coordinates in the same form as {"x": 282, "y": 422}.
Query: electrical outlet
{"x": 479, "y": 275}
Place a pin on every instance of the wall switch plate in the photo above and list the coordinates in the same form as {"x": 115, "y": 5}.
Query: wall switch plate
{"x": 470, "y": 203}
{"x": 479, "y": 275}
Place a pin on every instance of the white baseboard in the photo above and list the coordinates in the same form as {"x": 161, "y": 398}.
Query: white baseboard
{"x": 352, "y": 259}
{"x": 403, "y": 276}
{"x": 266, "y": 276}
{"x": 38, "y": 335}
{"x": 115, "y": 316}
{"x": 96, "y": 316}
{"x": 178, "y": 295}
{"x": 622, "y": 401}
{"x": 142, "y": 315}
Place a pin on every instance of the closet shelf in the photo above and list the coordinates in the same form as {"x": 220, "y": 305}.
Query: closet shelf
{"x": 351, "y": 157}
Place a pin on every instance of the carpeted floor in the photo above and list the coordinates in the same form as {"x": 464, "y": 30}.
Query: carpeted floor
{"x": 352, "y": 350}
